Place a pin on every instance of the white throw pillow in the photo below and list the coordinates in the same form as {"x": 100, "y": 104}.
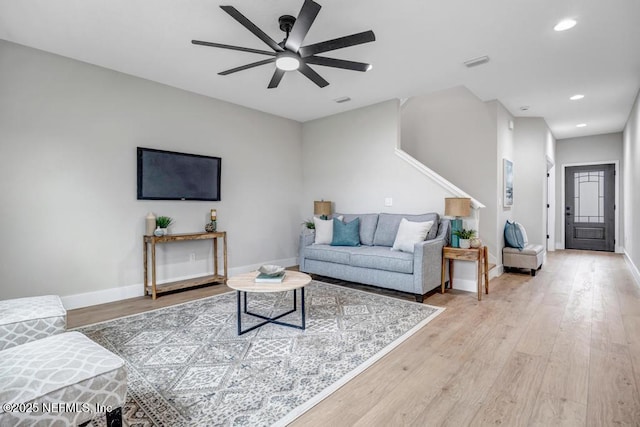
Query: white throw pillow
{"x": 410, "y": 233}
{"x": 525, "y": 239}
{"x": 324, "y": 230}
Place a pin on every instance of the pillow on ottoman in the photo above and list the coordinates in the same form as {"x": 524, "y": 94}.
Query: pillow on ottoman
{"x": 513, "y": 236}
{"x": 410, "y": 233}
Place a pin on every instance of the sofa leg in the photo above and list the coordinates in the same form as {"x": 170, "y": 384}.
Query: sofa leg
{"x": 533, "y": 272}
{"x": 419, "y": 298}
{"x": 114, "y": 418}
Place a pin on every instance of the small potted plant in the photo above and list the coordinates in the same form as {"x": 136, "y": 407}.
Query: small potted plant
{"x": 162, "y": 223}
{"x": 465, "y": 237}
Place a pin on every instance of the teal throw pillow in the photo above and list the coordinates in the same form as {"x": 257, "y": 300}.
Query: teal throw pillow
{"x": 346, "y": 234}
{"x": 513, "y": 236}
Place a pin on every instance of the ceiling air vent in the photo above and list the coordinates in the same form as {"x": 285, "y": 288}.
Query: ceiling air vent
{"x": 476, "y": 61}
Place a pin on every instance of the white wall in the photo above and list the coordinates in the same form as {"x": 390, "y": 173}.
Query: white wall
{"x": 606, "y": 148}
{"x": 532, "y": 145}
{"x": 349, "y": 159}
{"x": 631, "y": 195}
{"x": 69, "y": 219}
{"x": 454, "y": 133}
{"x": 505, "y": 150}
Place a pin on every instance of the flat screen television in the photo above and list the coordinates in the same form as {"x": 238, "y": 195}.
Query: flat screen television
{"x": 167, "y": 175}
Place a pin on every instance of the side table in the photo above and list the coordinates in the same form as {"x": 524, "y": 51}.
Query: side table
{"x": 472, "y": 254}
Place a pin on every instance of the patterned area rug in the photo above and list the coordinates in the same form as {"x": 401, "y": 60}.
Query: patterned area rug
{"x": 188, "y": 367}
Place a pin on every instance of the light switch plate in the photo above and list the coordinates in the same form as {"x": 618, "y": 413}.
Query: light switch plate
{"x": 388, "y": 201}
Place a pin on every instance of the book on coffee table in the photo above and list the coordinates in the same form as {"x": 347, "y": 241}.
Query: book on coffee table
{"x": 270, "y": 278}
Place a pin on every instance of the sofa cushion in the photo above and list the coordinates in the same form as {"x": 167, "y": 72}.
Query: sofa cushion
{"x": 368, "y": 223}
{"x": 324, "y": 230}
{"x": 336, "y": 254}
{"x": 346, "y": 234}
{"x": 388, "y": 225}
{"x": 410, "y": 233}
{"x": 382, "y": 258}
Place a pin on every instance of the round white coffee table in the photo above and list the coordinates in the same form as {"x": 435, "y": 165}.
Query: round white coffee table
{"x": 245, "y": 283}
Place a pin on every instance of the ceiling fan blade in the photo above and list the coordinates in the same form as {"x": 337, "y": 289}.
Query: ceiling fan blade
{"x": 312, "y": 75}
{"x": 300, "y": 29}
{"x": 235, "y": 14}
{"x": 275, "y": 80}
{"x": 227, "y": 46}
{"x": 246, "y": 67}
{"x": 337, "y": 63}
{"x": 339, "y": 43}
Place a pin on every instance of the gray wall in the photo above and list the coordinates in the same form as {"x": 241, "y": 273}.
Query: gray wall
{"x": 533, "y": 152}
{"x": 349, "y": 159}
{"x": 604, "y": 148}
{"x": 505, "y": 150}
{"x": 69, "y": 219}
{"x": 631, "y": 182}
{"x": 455, "y": 134}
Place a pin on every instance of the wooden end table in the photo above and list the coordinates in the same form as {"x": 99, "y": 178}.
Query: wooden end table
{"x": 245, "y": 283}
{"x": 472, "y": 254}
{"x": 154, "y": 289}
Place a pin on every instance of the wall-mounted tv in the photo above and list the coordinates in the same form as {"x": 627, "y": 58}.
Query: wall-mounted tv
{"x": 167, "y": 175}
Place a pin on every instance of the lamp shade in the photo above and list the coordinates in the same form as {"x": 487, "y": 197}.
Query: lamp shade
{"x": 457, "y": 206}
{"x": 322, "y": 208}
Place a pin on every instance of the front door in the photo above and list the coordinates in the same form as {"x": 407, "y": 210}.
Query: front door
{"x": 589, "y": 207}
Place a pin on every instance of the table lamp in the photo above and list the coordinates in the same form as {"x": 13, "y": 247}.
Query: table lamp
{"x": 456, "y": 207}
{"x": 322, "y": 209}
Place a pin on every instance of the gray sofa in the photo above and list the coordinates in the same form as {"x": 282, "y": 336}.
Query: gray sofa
{"x": 373, "y": 262}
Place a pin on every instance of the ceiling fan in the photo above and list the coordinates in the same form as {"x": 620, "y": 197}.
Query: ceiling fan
{"x": 289, "y": 54}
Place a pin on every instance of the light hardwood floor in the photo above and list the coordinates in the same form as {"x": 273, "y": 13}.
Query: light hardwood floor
{"x": 561, "y": 348}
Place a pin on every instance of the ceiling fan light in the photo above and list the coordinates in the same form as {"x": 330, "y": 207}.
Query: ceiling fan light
{"x": 287, "y": 63}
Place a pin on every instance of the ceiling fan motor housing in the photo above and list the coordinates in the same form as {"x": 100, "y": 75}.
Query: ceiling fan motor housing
{"x": 286, "y": 23}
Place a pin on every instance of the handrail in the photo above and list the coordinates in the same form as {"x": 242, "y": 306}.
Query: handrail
{"x": 438, "y": 179}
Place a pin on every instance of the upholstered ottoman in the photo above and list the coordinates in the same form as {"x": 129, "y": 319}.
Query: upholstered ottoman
{"x": 27, "y": 319}
{"x": 530, "y": 257}
{"x": 62, "y": 380}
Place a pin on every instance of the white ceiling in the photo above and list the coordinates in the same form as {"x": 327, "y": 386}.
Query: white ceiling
{"x": 420, "y": 48}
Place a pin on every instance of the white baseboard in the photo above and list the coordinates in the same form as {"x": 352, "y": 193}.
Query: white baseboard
{"x": 496, "y": 271}
{"x": 634, "y": 269}
{"x": 465, "y": 285}
{"x": 560, "y": 245}
{"x": 131, "y": 291}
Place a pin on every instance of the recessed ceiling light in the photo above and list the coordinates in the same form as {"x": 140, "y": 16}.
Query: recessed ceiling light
{"x": 581, "y": 125}
{"x": 342, "y": 99}
{"x": 524, "y": 108}
{"x": 576, "y": 97}
{"x": 565, "y": 24}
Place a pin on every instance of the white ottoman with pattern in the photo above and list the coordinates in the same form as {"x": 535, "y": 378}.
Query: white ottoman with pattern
{"x": 27, "y": 319}
{"x": 62, "y": 380}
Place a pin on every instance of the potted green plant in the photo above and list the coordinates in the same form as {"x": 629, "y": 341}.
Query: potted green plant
{"x": 163, "y": 222}
{"x": 309, "y": 224}
{"x": 465, "y": 237}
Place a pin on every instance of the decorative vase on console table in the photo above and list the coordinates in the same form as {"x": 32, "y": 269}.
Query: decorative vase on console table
{"x": 456, "y": 207}
{"x": 150, "y": 224}
{"x": 212, "y": 225}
